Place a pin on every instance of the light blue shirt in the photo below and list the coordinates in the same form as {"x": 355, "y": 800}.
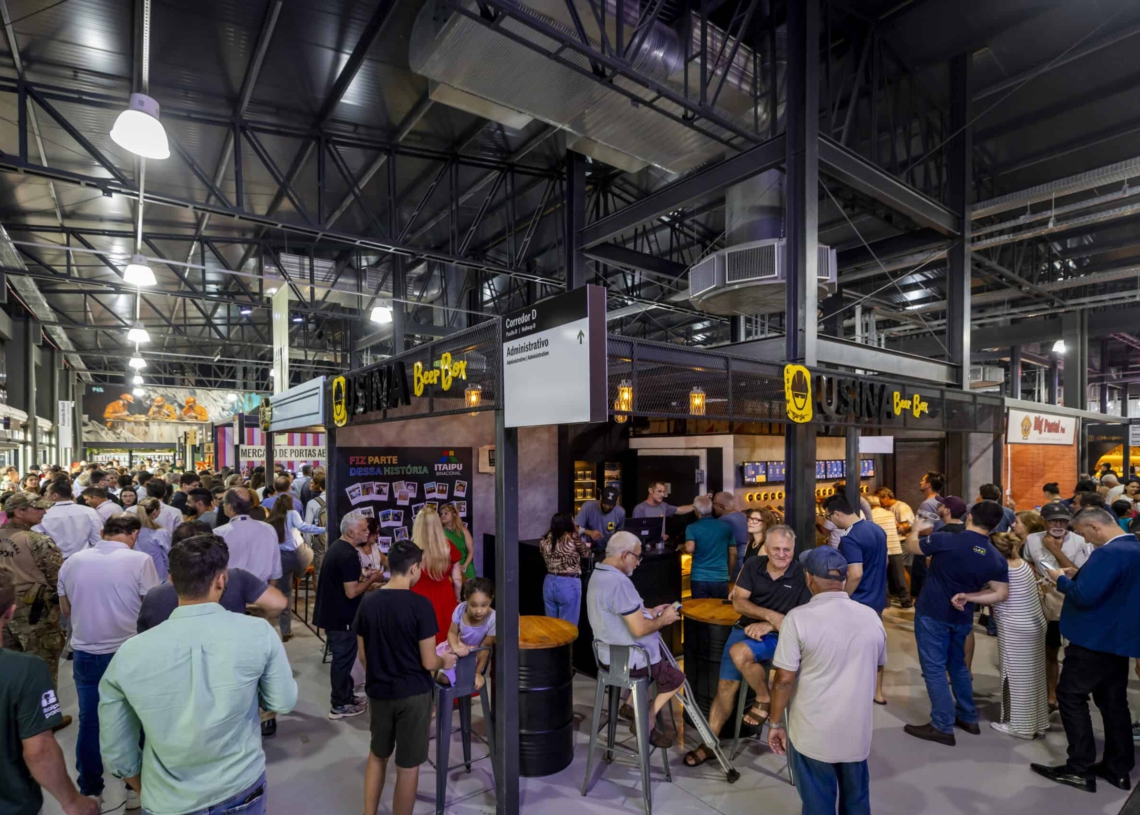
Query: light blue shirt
{"x": 192, "y": 684}
{"x": 294, "y": 521}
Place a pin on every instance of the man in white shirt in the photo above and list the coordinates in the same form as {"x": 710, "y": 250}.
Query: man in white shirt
{"x": 73, "y": 527}
{"x": 1055, "y": 548}
{"x": 96, "y": 498}
{"x": 101, "y": 590}
{"x": 1114, "y": 489}
{"x": 829, "y": 650}
{"x": 253, "y": 544}
{"x": 896, "y": 558}
{"x": 300, "y": 481}
{"x": 168, "y": 516}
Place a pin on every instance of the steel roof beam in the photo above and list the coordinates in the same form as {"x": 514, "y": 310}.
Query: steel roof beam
{"x": 627, "y": 258}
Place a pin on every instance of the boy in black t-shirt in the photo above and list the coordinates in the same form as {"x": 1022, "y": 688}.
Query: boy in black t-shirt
{"x": 396, "y": 631}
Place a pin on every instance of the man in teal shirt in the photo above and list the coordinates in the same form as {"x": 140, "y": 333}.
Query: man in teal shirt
{"x": 711, "y": 543}
{"x": 193, "y": 684}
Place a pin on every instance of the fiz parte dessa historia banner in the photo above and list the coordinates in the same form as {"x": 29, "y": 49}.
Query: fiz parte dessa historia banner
{"x": 392, "y": 485}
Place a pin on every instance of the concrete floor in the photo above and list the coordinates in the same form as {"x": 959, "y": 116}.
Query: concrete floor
{"x": 317, "y": 765}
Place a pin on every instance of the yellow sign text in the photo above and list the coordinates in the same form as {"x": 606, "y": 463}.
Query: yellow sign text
{"x": 914, "y": 404}
{"x": 442, "y": 374}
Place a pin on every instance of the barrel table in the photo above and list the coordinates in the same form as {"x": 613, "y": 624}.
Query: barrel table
{"x": 707, "y": 624}
{"x": 546, "y": 695}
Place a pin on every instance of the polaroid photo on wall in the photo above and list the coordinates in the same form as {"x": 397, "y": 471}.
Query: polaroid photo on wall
{"x": 416, "y": 510}
{"x": 399, "y": 485}
{"x": 411, "y": 486}
{"x": 441, "y": 491}
{"x": 429, "y": 490}
{"x": 385, "y": 517}
{"x": 402, "y": 498}
{"x": 398, "y": 517}
{"x": 367, "y": 490}
{"x": 460, "y": 489}
{"x": 461, "y": 508}
{"x": 433, "y": 504}
{"x": 385, "y": 544}
{"x": 367, "y": 512}
{"x": 401, "y": 534}
{"x": 381, "y": 490}
{"x": 353, "y": 493}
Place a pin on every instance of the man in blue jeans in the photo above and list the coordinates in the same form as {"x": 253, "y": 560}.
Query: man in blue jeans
{"x": 711, "y": 543}
{"x": 965, "y": 563}
{"x": 101, "y": 590}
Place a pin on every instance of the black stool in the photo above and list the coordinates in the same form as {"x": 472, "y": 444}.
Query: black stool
{"x": 445, "y": 697}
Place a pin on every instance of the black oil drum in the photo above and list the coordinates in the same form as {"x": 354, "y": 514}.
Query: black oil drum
{"x": 546, "y": 710}
{"x": 704, "y": 645}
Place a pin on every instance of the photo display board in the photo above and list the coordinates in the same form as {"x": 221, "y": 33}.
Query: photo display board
{"x": 392, "y": 484}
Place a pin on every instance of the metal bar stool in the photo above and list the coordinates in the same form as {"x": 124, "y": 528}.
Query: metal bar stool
{"x": 741, "y": 701}
{"x": 445, "y": 697}
{"x": 615, "y": 678}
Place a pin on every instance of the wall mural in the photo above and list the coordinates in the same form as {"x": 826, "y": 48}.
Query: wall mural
{"x": 114, "y": 413}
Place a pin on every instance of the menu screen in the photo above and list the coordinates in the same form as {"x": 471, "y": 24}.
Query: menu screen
{"x": 776, "y": 471}
{"x": 755, "y": 472}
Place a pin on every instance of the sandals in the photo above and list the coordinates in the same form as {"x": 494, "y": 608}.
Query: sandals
{"x": 696, "y": 758}
{"x": 752, "y": 718}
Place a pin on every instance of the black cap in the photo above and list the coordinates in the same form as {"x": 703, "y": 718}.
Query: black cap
{"x": 610, "y": 495}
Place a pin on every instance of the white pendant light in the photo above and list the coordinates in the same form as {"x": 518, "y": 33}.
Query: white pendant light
{"x": 231, "y": 397}
{"x": 139, "y": 392}
{"x": 138, "y": 129}
{"x": 137, "y": 362}
{"x": 138, "y": 273}
{"x": 381, "y": 314}
{"x": 1059, "y": 347}
{"x": 137, "y": 333}
{"x": 138, "y": 380}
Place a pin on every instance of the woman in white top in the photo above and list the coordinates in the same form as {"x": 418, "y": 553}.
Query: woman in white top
{"x": 154, "y": 539}
{"x": 896, "y": 557}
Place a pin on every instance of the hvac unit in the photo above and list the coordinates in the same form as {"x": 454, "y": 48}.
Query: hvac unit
{"x": 749, "y": 278}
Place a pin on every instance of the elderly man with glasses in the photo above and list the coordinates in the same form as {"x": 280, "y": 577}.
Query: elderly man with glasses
{"x": 619, "y": 617}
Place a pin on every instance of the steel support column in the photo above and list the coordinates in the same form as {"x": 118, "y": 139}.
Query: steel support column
{"x": 574, "y": 213}
{"x": 506, "y": 663}
{"x": 31, "y": 340}
{"x": 1074, "y": 328}
{"x": 1104, "y": 376}
{"x": 1053, "y": 382}
{"x": 854, "y": 488}
{"x": 1015, "y": 372}
{"x": 959, "y": 173}
{"x": 802, "y": 214}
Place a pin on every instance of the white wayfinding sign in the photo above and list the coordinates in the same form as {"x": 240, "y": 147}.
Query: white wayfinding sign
{"x": 554, "y": 360}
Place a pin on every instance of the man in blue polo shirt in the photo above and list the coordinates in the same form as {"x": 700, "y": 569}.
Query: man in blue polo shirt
{"x": 1101, "y": 621}
{"x": 709, "y": 540}
{"x": 965, "y": 563}
{"x": 864, "y": 545}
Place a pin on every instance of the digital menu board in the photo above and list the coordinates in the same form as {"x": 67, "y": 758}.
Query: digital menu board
{"x": 755, "y": 472}
{"x": 776, "y": 471}
{"x": 820, "y": 470}
{"x": 867, "y": 468}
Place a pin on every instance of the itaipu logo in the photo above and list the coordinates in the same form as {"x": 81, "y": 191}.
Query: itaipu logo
{"x": 448, "y": 464}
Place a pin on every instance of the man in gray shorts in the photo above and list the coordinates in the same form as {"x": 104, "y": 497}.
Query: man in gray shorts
{"x": 395, "y": 632}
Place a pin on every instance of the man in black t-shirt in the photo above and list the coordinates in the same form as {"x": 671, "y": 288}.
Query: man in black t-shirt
{"x": 396, "y": 631}
{"x": 767, "y": 589}
{"x": 29, "y": 710}
{"x": 339, "y": 591}
{"x": 186, "y": 482}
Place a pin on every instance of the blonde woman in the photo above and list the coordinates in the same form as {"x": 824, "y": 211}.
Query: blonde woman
{"x": 460, "y": 537}
{"x": 153, "y": 539}
{"x": 442, "y": 580}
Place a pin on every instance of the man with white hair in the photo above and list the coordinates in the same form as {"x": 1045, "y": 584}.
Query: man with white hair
{"x": 1112, "y": 488}
{"x": 711, "y": 543}
{"x": 340, "y": 588}
{"x": 619, "y": 617}
{"x": 253, "y": 544}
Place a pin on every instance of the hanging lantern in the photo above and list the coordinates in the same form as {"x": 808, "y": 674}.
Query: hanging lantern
{"x": 623, "y": 405}
{"x": 697, "y": 401}
{"x": 473, "y": 396}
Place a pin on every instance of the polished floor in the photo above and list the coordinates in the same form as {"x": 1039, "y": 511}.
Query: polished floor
{"x": 317, "y": 765}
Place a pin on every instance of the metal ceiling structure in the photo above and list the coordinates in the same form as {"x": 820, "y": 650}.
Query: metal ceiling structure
{"x": 307, "y": 152}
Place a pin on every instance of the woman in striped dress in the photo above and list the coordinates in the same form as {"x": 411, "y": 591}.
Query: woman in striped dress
{"x": 1021, "y": 647}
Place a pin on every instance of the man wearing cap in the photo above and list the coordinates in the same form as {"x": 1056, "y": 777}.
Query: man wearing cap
{"x": 829, "y": 651}
{"x": 1056, "y": 548}
{"x": 599, "y": 520}
{"x": 34, "y": 561}
{"x": 965, "y": 563}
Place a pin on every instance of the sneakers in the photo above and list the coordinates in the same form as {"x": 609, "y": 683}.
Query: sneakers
{"x": 360, "y": 700}
{"x": 1009, "y": 731}
{"x": 347, "y": 711}
{"x": 133, "y": 801}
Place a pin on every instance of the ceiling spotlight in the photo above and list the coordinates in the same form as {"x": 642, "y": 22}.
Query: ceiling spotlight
{"x": 138, "y": 273}
{"x": 245, "y": 311}
{"x": 137, "y": 362}
{"x": 231, "y": 397}
{"x": 272, "y": 373}
{"x": 271, "y": 291}
{"x": 381, "y": 314}
{"x": 137, "y": 333}
{"x": 138, "y": 129}
{"x": 137, "y": 380}
{"x": 1059, "y": 347}
{"x": 139, "y": 392}
{"x": 297, "y": 318}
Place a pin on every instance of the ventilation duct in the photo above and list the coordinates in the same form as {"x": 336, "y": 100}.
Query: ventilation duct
{"x": 448, "y": 48}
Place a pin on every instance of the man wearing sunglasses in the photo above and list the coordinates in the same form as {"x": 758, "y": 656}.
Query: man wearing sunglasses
{"x": 619, "y": 617}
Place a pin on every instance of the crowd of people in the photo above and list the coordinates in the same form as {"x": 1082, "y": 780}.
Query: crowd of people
{"x": 164, "y": 589}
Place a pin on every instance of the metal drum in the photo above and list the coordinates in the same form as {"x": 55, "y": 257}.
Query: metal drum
{"x": 708, "y": 624}
{"x": 546, "y": 696}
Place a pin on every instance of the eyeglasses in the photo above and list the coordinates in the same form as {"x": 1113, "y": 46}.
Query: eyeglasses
{"x": 639, "y": 557}
{"x": 755, "y": 519}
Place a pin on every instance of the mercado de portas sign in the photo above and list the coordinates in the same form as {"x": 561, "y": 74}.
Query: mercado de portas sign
{"x": 849, "y": 399}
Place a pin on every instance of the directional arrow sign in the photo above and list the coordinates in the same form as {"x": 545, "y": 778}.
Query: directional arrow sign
{"x": 548, "y": 378}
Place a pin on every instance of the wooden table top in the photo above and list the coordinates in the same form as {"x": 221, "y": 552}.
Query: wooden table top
{"x": 709, "y": 610}
{"x": 545, "y": 632}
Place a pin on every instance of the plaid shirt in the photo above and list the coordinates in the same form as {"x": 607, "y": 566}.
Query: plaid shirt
{"x": 563, "y": 557}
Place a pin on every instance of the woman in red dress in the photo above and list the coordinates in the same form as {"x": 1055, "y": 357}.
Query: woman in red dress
{"x": 442, "y": 579}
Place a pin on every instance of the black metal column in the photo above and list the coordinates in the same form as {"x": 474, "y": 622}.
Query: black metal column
{"x": 507, "y": 617}
{"x": 31, "y": 340}
{"x": 1074, "y": 332}
{"x": 801, "y": 230}
{"x": 959, "y": 173}
{"x": 77, "y": 418}
{"x": 1104, "y": 376}
{"x": 1054, "y": 378}
{"x": 854, "y": 485}
{"x": 574, "y": 209}
{"x": 1015, "y": 372}
{"x": 399, "y": 315}
{"x": 52, "y": 360}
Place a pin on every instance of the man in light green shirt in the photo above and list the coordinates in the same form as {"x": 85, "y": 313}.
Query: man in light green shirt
{"x": 193, "y": 685}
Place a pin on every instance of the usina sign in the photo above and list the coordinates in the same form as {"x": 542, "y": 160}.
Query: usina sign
{"x": 386, "y": 386}
{"x": 848, "y": 399}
